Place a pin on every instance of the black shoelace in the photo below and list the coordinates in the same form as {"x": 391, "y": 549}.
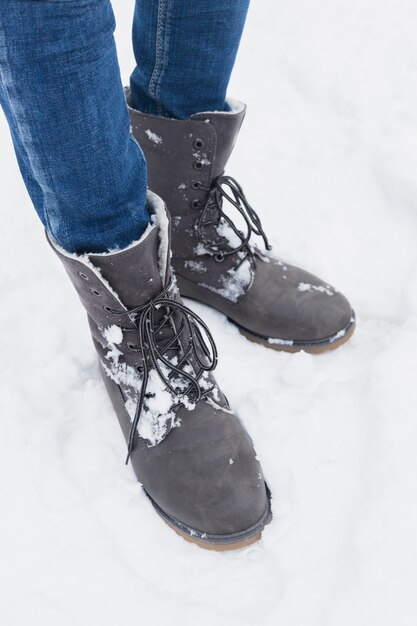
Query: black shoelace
{"x": 236, "y": 197}
{"x": 149, "y": 320}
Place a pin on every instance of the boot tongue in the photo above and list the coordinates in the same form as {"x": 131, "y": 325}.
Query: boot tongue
{"x": 226, "y": 126}
{"x": 134, "y": 272}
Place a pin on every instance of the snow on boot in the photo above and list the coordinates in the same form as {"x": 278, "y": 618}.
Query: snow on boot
{"x": 189, "y": 451}
{"x": 215, "y": 260}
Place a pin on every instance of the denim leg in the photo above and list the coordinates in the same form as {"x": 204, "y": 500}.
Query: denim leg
{"x": 61, "y": 92}
{"x": 185, "y": 51}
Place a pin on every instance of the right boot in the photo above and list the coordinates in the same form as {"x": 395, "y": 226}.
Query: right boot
{"x": 215, "y": 258}
{"x": 189, "y": 451}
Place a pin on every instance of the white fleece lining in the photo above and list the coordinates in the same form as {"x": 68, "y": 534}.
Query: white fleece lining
{"x": 159, "y": 218}
{"x": 236, "y": 106}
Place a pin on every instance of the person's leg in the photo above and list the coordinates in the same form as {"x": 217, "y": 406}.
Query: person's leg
{"x": 61, "y": 92}
{"x": 185, "y": 51}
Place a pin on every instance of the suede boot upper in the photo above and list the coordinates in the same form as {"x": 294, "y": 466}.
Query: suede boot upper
{"x": 189, "y": 451}
{"x": 222, "y": 258}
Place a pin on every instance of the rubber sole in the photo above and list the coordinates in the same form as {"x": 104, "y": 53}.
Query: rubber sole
{"x": 218, "y": 543}
{"x": 213, "y": 546}
{"x": 312, "y": 347}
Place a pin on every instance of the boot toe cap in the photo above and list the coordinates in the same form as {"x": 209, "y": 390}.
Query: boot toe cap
{"x": 205, "y": 476}
{"x": 288, "y": 303}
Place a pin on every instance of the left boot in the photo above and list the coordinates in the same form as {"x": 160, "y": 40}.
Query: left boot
{"x": 271, "y": 302}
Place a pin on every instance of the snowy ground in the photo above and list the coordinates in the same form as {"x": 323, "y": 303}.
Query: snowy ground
{"x": 328, "y": 155}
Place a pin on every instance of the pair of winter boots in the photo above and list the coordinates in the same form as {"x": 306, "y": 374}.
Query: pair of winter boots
{"x": 190, "y": 452}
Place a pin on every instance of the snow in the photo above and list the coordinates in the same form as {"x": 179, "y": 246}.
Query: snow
{"x": 280, "y": 342}
{"x": 318, "y": 288}
{"x": 156, "y": 415}
{"x": 202, "y": 158}
{"x": 235, "y": 283}
{"x": 328, "y": 157}
{"x": 196, "y": 266}
{"x": 337, "y": 336}
{"x": 113, "y": 334}
{"x": 153, "y": 137}
{"x": 121, "y": 373}
{"x": 225, "y": 230}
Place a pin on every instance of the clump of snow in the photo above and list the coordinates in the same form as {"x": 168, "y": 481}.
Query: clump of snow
{"x": 157, "y": 415}
{"x": 226, "y": 231}
{"x": 206, "y": 381}
{"x": 113, "y": 334}
{"x": 337, "y": 336}
{"x": 234, "y": 283}
{"x": 153, "y": 137}
{"x": 318, "y": 288}
{"x": 130, "y": 405}
{"x": 196, "y": 266}
{"x": 202, "y": 158}
{"x": 200, "y": 250}
{"x": 280, "y": 342}
{"x": 121, "y": 373}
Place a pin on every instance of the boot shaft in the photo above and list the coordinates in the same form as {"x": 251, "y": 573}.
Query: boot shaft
{"x": 147, "y": 341}
{"x": 184, "y": 159}
{"x": 119, "y": 280}
{"x": 185, "y": 156}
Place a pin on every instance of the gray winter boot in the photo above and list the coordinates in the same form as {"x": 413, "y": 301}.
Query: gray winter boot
{"x": 216, "y": 261}
{"x": 190, "y": 452}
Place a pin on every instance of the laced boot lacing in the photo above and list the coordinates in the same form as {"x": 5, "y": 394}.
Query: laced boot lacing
{"x": 200, "y": 355}
{"x": 216, "y": 194}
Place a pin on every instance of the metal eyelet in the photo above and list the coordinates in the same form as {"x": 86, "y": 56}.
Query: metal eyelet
{"x": 196, "y": 204}
{"x": 198, "y": 143}
{"x": 132, "y": 346}
{"x": 139, "y": 368}
{"x": 196, "y": 184}
{"x": 107, "y": 308}
{"x": 197, "y": 165}
{"x": 83, "y": 276}
{"x": 219, "y": 257}
{"x": 96, "y": 293}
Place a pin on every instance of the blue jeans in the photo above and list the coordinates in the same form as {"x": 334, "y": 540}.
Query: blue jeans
{"x": 61, "y": 92}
